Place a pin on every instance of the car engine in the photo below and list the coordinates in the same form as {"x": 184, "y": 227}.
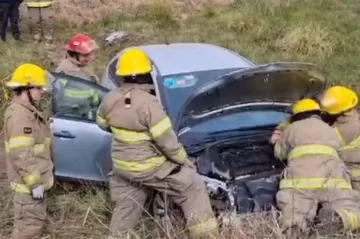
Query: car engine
{"x": 241, "y": 174}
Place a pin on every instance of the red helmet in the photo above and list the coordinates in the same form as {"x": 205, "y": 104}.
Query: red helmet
{"x": 82, "y": 44}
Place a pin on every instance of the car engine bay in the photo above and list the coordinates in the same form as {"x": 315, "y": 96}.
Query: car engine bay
{"x": 241, "y": 174}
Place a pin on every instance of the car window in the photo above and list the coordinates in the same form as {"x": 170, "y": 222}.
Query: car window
{"x": 112, "y": 72}
{"x": 118, "y": 79}
{"x": 75, "y": 98}
{"x": 178, "y": 88}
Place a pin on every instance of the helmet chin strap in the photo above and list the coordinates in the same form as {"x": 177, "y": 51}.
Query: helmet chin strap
{"x": 31, "y": 99}
{"x": 75, "y": 58}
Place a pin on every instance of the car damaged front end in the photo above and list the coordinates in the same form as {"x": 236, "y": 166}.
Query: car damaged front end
{"x": 226, "y": 126}
{"x": 244, "y": 171}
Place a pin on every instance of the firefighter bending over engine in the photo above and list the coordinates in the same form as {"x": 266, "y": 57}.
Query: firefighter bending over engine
{"x": 315, "y": 175}
{"x": 339, "y": 103}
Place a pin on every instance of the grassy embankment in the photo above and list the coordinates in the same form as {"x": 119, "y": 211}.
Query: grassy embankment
{"x": 322, "y": 32}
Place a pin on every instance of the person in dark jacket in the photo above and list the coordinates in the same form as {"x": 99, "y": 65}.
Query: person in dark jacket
{"x": 10, "y": 11}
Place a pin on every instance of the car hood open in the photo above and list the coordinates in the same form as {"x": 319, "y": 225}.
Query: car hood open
{"x": 275, "y": 83}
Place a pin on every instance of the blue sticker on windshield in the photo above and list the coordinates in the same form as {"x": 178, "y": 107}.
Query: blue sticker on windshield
{"x": 180, "y": 81}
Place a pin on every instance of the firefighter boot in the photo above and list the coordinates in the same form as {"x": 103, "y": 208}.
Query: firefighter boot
{"x": 329, "y": 222}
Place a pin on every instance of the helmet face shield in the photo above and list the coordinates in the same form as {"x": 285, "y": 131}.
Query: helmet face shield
{"x": 329, "y": 102}
{"x": 87, "y": 47}
{"x": 91, "y": 46}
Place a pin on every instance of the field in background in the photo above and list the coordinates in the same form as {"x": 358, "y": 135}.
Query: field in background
{"x": 325, "y": 32}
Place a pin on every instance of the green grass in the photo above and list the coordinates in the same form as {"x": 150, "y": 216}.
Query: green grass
{"x": 325, "y": 32}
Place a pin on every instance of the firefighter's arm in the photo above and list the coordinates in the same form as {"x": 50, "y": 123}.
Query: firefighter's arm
{"x": 281, "y": 149}
{"x": 101, "y": 117}
{"x": 278, "y": 130}
{"x": 20, "y": 144}
{"x": 162, "y": 132}
{"x": 283, "y": 124}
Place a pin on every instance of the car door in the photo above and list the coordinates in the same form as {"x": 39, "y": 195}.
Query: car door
{"x": 82, "y": 150}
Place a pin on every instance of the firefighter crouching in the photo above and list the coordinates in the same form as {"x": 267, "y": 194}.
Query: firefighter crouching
{"x": 147, "y": 155}
{"x": 314, "y": 175}
{"x": 27, "y": 146}
{"x": 339, "y": 103}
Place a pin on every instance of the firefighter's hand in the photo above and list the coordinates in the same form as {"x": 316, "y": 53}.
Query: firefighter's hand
{"x": 275, "y": 137}
{"x": 38, "y": 192}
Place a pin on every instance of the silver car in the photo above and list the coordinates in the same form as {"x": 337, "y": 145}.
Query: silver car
{"x": 223, "y": 107}
{"x": 82, "y": 149}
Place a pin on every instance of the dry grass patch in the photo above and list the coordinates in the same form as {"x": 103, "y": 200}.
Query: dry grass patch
{"x": 261, "y": 30}
{"x": 14, "y": 53}
{"x": 83, "y": 212}
{"x": 237, "y": 21}
{"x": 308, "y": 41}
{"x": 89, "y": 11}
{"x": 162, "y": 15}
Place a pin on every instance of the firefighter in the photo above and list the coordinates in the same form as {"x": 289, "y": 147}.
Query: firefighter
{"x": 314, "y": 175}
{"x": 339, "y": 103}
{"x": 40, "y": 14}
{"x": 146, "y": 153}
{"x": 10, "y": 11}
{"x": 79, "y": 53}
{"x": 27, "y": 146}
{"x": 76, "y": 100}
{"x": 282, "y": 125}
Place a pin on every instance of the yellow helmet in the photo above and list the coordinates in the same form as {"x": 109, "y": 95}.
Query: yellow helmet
{"x": 133, "y": 62}
{"x": 28, "y": 75}
{"x": 305, "y": 105}
{"x": 338, "y": 99}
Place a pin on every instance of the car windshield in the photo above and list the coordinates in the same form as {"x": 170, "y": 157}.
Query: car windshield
{"x": 178, "y": 88}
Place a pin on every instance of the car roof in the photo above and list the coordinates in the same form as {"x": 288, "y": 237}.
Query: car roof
{"x": 178, "y": 58}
